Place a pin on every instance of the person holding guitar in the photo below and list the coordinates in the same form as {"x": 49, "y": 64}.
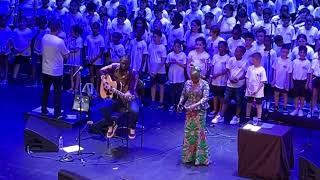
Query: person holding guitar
{"x": 118, "y": 89}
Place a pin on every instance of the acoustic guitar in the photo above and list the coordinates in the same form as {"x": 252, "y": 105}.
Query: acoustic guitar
{"x": 108, "y": 88}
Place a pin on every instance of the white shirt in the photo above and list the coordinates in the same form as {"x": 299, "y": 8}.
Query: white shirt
{"x": 311, "y": 34}
{"x": 288, "y": 33}
{"x": 22, "y": 41}
{"x": 193, "y": 15}
{"x": 176, "y": 72}
{"x": 156, "y": 54}
{"x": 116, "y": 52}
{"x": 237, "y": 69}
{"x": 290, "y": 3}
{"x": 124, "y": 29}
{"x": 136, "y": 50}
{"x": 315, "y": 67}
{"x": 212, "y": 45}
{"x": 93, "y": 44}
{"x": 199, "y": 60}
{"x": 227, "y": 24}
{"x": 54, "y": 49}
{"x": 148, "y": 14}
{"x": 190, "y": 39}
{"x": 68, "y": 20}
{"x": 75, "y": 57}
{"x": 112, "y": 9}
{"x": 60, "y": 12}
{"x": 301, "y": 69}
{"x": 255, "y": 18}
{"x": 282, "y": 69}
{"x": 6, "y": 37}
{"x": 217, "y": 12}
{"x": 233, "y": 44}
{"x": 295, "y": 53}
{"x": 174, "y": 35}
{"x": 219, "y": 65}
{"x": 255, "y": 76}
{"x": 37, "y": 47}
{"x": 268, "y": 27}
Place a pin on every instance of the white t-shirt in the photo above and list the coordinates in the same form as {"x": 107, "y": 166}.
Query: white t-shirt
{"x": 311, "y": 34}
{"x": 268, "y": 27}
{"x": 116, "y": 52}
{"x": 112, "y": 9}
{"x": 295, "y": 53}
{"x": 233, "y": 44}
{"x": 212, "y": 45}
{"x": 174, "y": 35}
{"x": 217, "y": 12}
{"x": 219, "y": 65}
{"x": 137, "y": 49}
{"x": 301, "y": 69}
{"x": 124, "y": 29}
{"x": 69, "y": 19}
{"x": 176, "y": 72}
{"x": 148, "y": 14}
{"x": 227, "y": 24}
{"x": 52, "y": 55}
{"x": 315, "y": 67}
{"x": 75, "y": 57}
{"x": 237, "y": 69}
{"x": 190, "y": 39}
{"x": 282, "y": 69}
{"x": 93, "y": 44}
{"x": 288, "y": 33}
{"x": 255, "y": 18}
{"x": 255, "y": 76}
{"x": 6, "y": 37}
{"x": 290, "y": 3}
{"x": 199, "y": 60}
{"x": 22, "y": 41}
{"x": 60, "y": 12}
{"x": 193, "y": 15}
{"x": 156, "y": 54}
{"x": 247, "y": 25}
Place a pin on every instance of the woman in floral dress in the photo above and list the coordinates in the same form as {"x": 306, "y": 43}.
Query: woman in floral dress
{"x": 194, "y": 100}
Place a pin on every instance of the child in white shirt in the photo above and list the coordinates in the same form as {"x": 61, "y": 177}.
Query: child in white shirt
{"x": 94, "y": 48}
{"x": 207, "y": 24}
{"x": 315, "y": 75}
{"x": 255, "y": 79}
{"x": 269, "y": 55}
{"x": 236, "y": 68}
{"x": 266, "y": 23}
{"x": 176, "y": 30}
{"x": 5, "y": 41}
{"x": 286, "y": 30}
{"x": 192, "y": 34}
{"x": 250, "y": 46}
{"x": 112, "y": 8}
{"x": 22, "y": 37}
{"x": 302, "y": 41}
{"x": 176, "y": 61}
{"x": 116, "y": 49}
{"x": 199, "y": 57}
{"x": 309, "y": 30}
{"x": 243, "y": 20}
{"x": 157, "y": 59}
{"x": 282, "y": 71}
{"x": 75, "y": 45}
{"x": 256, "y": 16}
{"x": 73, "y": 17}
{"x": 194, "y": 13}
{"x": 301, "y": 78}
{"x": 60, "y": 10}
{"x": 278, "y": 43}
{"x": 213, "y": 40}
{"x": 138, "y": 52}
{"x": 236, "y": 39}
{"x": 218, "y": 77}
{"x": 227, "y": 22}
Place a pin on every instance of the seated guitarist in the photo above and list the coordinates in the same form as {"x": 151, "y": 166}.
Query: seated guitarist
{"x": 126, "y": 83}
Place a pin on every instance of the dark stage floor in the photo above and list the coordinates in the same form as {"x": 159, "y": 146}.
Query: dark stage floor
{"x": 159, "y": 158}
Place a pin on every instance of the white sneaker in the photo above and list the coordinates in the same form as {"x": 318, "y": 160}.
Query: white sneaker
{"x": 294, "y": 113}
{"x": 235, "y": 120}
{"x": 211, "y": 114}
{"x": 300, "y": 113}
{"x": 217, "y": 119}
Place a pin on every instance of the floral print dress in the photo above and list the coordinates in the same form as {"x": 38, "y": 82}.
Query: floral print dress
{"x": 195, "y": 148}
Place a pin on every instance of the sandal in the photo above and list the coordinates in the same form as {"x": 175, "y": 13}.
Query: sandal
{"x": 111, "y": 131}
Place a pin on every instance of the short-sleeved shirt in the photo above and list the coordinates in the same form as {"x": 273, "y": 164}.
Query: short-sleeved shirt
{"x": 255, "y": 76}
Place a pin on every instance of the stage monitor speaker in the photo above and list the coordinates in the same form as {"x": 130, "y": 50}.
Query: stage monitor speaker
{"x": 308, "y": 170}
{"x": 39, "y": 136}
{"x": 68, "y": 175}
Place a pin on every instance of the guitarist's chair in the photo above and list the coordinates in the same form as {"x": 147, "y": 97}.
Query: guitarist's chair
{"x": 122, "y": 119}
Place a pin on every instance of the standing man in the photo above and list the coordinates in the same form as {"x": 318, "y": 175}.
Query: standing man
{"x": 53, "y": 55}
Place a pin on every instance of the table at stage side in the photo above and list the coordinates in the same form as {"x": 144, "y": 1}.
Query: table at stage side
{"x": 267, "y": 153}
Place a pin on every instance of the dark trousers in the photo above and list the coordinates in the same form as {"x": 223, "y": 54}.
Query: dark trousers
{"x": 115, "y": 110}
{"x": 57, "y": 85}
{"x": 175, "y": 92}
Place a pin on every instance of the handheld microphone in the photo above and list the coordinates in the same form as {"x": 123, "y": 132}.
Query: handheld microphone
{"x": 80, "y": 68}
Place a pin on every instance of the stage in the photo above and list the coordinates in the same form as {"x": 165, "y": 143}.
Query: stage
{"x": 159, "y": 158}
